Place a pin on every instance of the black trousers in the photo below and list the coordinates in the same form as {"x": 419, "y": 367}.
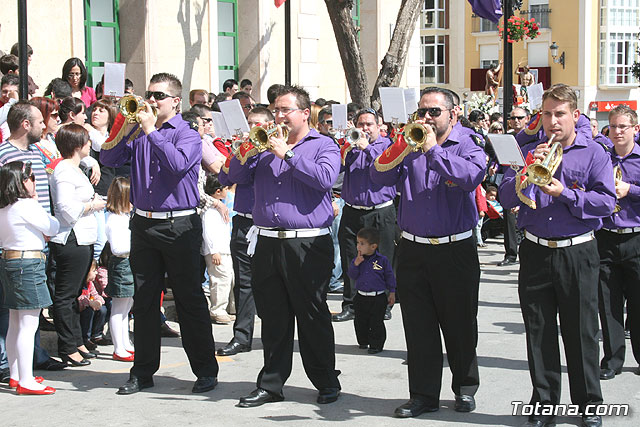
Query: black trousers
{"x": 561, "y": 281}
{"x": 245, "y": 306}
{"x": 290, "y": 282}
{"x": 369, "y": 320}
{"x": 619, "y": 280}
{"x": 510, "y": 235}
{"x": 72, "y": 265}
{"x": 383, "y": 219}
{"x": 438, "y": 285}
{"x": 171, "y": 246}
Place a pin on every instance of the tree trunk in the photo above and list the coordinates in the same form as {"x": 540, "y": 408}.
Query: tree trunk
{"x": 393, "y": 62}
{"x": 349, "y": 47}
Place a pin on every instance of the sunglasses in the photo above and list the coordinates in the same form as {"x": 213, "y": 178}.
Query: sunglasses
{"x": 433, "y": 112}
{"x": 28, "y": 172}
{"x": 158, "y": 96}
{"x": 207, "y": 119}
{"x": 517, "y": 117}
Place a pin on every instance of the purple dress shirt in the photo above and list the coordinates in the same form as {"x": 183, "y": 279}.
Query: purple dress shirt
{"x": 164, "y": 166}
{"x": 293, "y": 194}
{"x": 587, "y": 197}
{"x": 438, "y": 187}
{"x": 629, "y": 215}
{"x": 358, "y": 189}
{"x": 374, "y": 274}
{"x": 244, "y": 198}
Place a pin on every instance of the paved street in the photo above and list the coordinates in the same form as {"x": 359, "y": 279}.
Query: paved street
{"x": 373, "y": 385}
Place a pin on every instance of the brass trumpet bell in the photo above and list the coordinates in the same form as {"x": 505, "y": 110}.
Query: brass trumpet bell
{"x": 259, "y": 135}
{"x": 415, "y": 135}
{"x": 617, "y": 176}
{"x": 541, "y": 172}
{"x": 131, "y": 105}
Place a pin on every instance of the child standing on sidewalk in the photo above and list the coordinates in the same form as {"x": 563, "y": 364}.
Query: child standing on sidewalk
{"x": 373, "y": 278}
{"x": 216, "y": 250}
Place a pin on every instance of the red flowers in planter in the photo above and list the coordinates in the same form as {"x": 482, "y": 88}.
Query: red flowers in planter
{"x": 520, "y": 28}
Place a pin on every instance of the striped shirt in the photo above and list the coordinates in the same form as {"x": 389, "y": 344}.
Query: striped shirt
{"x": 9, "y": 153}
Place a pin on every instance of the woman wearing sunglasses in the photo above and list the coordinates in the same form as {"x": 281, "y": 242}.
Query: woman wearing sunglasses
{"x": 23, "y": 227}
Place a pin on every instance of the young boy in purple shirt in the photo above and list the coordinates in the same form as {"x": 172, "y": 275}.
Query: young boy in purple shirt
{"x": 373, "y": 277}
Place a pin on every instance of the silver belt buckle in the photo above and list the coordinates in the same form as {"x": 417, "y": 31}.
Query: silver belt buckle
{"x": 282, "y": 234}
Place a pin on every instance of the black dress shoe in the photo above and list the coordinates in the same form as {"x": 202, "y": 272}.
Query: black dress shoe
{"x": 101, "y": 341}
{"x": 134, "y": 385}
{"x": 72, "y": 362}
{"x": 413, "y": 408}
{"x": 167, "y": 332}
{"x": 608, "y": 374}
{"x": 343, "y": 316}
{"x": 328, "y": 395}
{"x": 507, "y": 261}
{"x": 234, "y": 347}
{"x": 591, "y": 421}
{"x": 259, "y": 397}
{"x": 50, "y": 365}
{"x": 204, "y": 384}
{"x": 87, "y": 355}
{"x": 464, "y": 403}
{"x": 363, "y": 346}
{"x": 90, "y": 345}
{"x": 374, "y": 350}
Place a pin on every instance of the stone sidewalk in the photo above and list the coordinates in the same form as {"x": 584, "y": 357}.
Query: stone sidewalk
{"x": 372, "y": 385}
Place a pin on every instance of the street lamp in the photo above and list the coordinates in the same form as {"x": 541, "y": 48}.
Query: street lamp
{"x": 554, "y": 54}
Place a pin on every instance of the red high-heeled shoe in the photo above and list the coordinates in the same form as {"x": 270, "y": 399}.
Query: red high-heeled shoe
{"x": 132, "y": 352}
{"x": 13, "y": 383}
{"x": 47, "y": 390}
{"x": 123, "y": 359}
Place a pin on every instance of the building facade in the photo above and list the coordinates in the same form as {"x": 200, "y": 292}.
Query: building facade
{"x": 204, "y": 42}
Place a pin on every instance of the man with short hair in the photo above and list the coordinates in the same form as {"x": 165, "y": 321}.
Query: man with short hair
{"x": 230, "y": 86}
{"x": 598, "y": 137}
{"x": 518, "y": 120}
{"x": 26, "y": 125}
{"x": 293, "y": 256}
{"x": 166, "y": 232}
{"x": 246, "y": 102}
{"x": 15, "y": 50}
{"x": 325, "y": 122}
{"x": 242, "y": 222}
{"x": 559, "y": 261}
{"x": 438, "y": 272}
{"x": 272, "y": 93}
{"x": 367, "y": 204}
{"x": 198, "y": 96}
{"x": 58, "y": 89}
{"x": 246, "y": 86}
{"x": 619, "y": 248}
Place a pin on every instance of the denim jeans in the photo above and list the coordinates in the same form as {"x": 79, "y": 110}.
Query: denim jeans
{"x": 334, "y": 283}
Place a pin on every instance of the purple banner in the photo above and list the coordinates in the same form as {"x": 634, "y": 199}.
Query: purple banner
{"x": 488, "y": 9}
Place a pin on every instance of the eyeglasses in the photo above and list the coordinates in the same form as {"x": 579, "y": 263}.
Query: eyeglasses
{"x": 72, "y": 75}
{"x": 285, "y": 111}
{"x": 249, "y": 106}
{"x": 517, "y": 117}
{"x": 433, "y": 112}
{"x": 158, "y": 96}
{"x": 622, "y": 128}
{"x": 207, "y": 119}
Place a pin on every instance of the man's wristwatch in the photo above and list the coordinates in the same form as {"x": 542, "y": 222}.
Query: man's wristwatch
{"x": 289, "y": 155}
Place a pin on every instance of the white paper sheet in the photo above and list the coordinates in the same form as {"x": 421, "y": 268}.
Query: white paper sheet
{"x": 394, "y": 109}
{"x": 507, "y": 150}
{"x": 234, "y": 116}
{"x": 220, "y": 126}
{"x": 114, "y": 73}
{"x": 339, "y": 116}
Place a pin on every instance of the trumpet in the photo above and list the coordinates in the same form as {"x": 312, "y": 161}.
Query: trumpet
{"x": 415, "y": 134}
{"x": 541, "y": 172}
{"x": 259, "y": 135}
{"x": 131, "y": 105}
{"x": 617, "y": 176}
{"x": 353, "y": 135}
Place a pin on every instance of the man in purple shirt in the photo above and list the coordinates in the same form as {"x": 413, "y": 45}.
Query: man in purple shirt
{"x": 293, "y": 256}
{"x": 367, "y": 204}
{"x": 619, "y": 248}
{"x": 559, "y": 258}
{"x": 166, "y": 233}
{"x": 438, "y": 271}
{"x": 242, "y": 223}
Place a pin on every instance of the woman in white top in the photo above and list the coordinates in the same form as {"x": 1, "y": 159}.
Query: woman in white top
{"x": 74, "y": 202}
{"x": 23, "y": 225}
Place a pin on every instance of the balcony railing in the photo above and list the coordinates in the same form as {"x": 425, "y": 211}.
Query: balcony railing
{"x": 480, "y": 25}
{"x": 541, "y": 16}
